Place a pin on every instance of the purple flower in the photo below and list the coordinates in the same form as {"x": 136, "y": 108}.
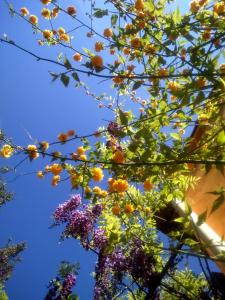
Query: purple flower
{"x": 99, "y": 238}
{"x": 67, "y": 285}
{"x": 113, "y": 129}
{"x": 64, "y": 211}
{"x": 97, "y": 210}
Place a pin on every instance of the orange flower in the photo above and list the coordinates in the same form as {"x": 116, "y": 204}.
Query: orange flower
{"x": 44, "y": 145}
{"x": 139, "y": 5}
{"x": 97, "y": 174}
{"x": 24, "y": 11}
{"x": 173, "y": 86}
{"x": 99, "y": 46}
{"x": 83, "y": 157}
{"x": 116, "y": 210}
{"x": 61, "y": 31}
{"x": 46, "y": 2}
{"x": 112, "y": 51}
{"x": 201, "y": 82}
{"x": 56, "y": 169}
{"x": 55, "y": 180}
{"x": 40, "y": 174}
{"x": 120, "y": 185}
{"x": 71, "y": 132}
{"x": 126, "y": 51}
{"x": 71, "y": 10}
{"x": 47, "y": 34}
{"x": 32, "y": 151}
{"x": 163, "y": 72}
{"x": 64, "y": 37}
{"x": 148, "y": 185}
{"x": 135, "y": 42}
{"x": 62, "y": 137}
{"x": 128, "y": 208}
{"x": 77, "y": 57}
{"x": 108, "y": 32}
{"x": 33, "y": 19}
{"x": 118, "y": 80}
{"x": 55, "y": 12}
{"x": 219, "y": 7}
{"x": 80, "y": 150}
{"x": 6, "y": 151}
{"x": 46, "y": 13}
{"x": 118, "y": 157}
{"x": 97, "y": 61}
{"x": 194, "y": 6}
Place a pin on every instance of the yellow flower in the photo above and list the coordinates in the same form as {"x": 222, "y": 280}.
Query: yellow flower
{"x": 135, "y": 42}
{"x": 104, "y": 193}
{"x": 118, "y": 157}
{"x": 46, "y": 13}
{"x": 32, "y": 151}
{"x": 219, "y": 7}
{"x": 55, "y": 180}
{"x": 97, "y": 174}
{"x": 56, "y": 169}
{"x": 120, "y": 185}
{"x": 40, "y": 174}
{"x": 97, "y": 190}
{"x": 148, "y": 185}
{"x": 24, "y": 11}
{"x": 97, "y": 61}
{"x": 163, "y": 72}
{"x": 6, "y": 151}
{"x": 83, "y": 157}
{"x": 33, "y": 19}
{"x": 173, "y": 86}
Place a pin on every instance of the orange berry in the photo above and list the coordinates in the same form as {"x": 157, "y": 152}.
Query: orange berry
{"x": 33, "y": 19}
{"x": 108, "y": 32}
{"x": 97, "y": 61}
{"x": 77, "y": 57}
{"x": 71, "y": 10}
{"x": 24, "y": 11}
{"x": 148, "y": 185}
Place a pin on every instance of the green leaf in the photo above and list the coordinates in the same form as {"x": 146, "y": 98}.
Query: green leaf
{"x": 221, "y": 138}
{"x": 175, "y": 136}
{"x": 123, "y": 118}
{"x": 177, "y": 16}
{"x": 202, "y": 218}
{"x": 67, "y": 64}
{"x": 65, "y": 79}
{"x": 54, "y": 76}
{"x": 75, "y": 76}
{"x": 114, "y": 19}
{"x": 99, "y": 13}
{"x": 217, "y": 203}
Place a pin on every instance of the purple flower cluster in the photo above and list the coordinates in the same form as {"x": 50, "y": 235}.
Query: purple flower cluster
{"x": 67, "y": 285}
{"x": 113, "y": 129}
{"x": 63, "y": 211}
{"x": 99, "y": 238}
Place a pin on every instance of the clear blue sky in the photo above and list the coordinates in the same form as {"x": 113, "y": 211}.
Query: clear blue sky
{"x": 31, "y": 103}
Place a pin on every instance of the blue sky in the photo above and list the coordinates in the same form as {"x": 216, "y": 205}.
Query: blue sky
{"x": 33, "y": 108}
